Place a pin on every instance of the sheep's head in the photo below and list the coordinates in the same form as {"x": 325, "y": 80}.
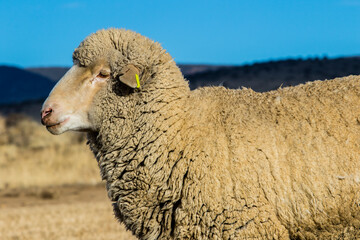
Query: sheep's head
{"x": 107, "y": 56}
{"x": 67, "y": 106}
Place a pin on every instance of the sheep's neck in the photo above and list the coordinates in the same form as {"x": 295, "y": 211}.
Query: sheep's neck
{"x": 137, "y": 153}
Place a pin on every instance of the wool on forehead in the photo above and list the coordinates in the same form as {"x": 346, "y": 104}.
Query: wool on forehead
{"x": 119, "y": 46}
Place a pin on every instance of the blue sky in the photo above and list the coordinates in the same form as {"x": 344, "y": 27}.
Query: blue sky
{"x": 45, "y": 32}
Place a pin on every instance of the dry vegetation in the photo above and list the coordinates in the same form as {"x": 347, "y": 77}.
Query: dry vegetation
{"x": 50, "y": 186}
{"x": 30, "y": 156}
{"x": 64, "y": 217}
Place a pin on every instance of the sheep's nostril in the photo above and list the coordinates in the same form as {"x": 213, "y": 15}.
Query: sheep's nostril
{"x": 45, "y": 113}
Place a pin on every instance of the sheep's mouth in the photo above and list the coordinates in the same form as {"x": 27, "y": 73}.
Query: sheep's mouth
{"x": 55, "y": 125}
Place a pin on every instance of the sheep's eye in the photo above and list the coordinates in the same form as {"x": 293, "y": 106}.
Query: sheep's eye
{"x": 102, "y": 75}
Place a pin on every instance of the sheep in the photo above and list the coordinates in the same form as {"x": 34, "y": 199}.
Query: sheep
{"x": 211, "y": 163}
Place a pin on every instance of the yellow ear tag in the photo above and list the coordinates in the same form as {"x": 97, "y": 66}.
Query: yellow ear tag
{"x": 137, "y": 81}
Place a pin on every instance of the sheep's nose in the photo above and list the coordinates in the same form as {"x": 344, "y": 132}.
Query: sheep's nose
{"x": 46, "y": 113}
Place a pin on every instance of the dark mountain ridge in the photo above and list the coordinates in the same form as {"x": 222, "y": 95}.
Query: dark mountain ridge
{"x": 271, "y": 75}
{"x": 18, "y": 85}
{"x": 23, "y": 90}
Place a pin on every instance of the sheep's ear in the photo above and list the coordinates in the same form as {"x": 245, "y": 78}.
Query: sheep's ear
{"x": 130, "y": 76}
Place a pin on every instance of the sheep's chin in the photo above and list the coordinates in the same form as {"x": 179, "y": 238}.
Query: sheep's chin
{"x": 59, "y": 127}
{"x": 69, "y": 124}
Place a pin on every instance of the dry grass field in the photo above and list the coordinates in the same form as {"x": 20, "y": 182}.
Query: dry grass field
{"x": 50, "y": 187}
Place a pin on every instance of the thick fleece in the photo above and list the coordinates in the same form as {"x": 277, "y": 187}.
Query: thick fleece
{"x": 224, "y": 164}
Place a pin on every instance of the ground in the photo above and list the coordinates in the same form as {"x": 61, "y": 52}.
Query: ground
{"x": 62, "y": 212}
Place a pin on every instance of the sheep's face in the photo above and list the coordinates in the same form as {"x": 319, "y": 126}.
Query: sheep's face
{"x": 67, "y": 107}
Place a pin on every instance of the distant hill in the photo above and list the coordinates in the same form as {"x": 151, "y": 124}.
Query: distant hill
{"x": 190, "y": 69}
{"x": 32, "y": 85}
{"x": 260, "y": 77}
{"x": 52, "y": 73}
{"x": 18, "y": 85}
{"x": 273, "y": 74}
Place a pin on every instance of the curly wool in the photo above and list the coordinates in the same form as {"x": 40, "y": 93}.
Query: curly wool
{"x": 117, "y": 48}
{"x": 224, "y": 164}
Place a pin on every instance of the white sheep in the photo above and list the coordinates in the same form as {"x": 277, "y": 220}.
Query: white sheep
{"x": 212, "y": 163}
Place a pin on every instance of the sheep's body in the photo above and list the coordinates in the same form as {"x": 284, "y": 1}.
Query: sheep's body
{"x": 217, "y": 164}
{"x": 235, "y": 163}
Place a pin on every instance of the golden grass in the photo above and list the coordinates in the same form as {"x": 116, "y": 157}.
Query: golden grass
{"x": 83, "y": 220}
{"x": 32, "y": 163}
{"x": 31, "y": 156}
